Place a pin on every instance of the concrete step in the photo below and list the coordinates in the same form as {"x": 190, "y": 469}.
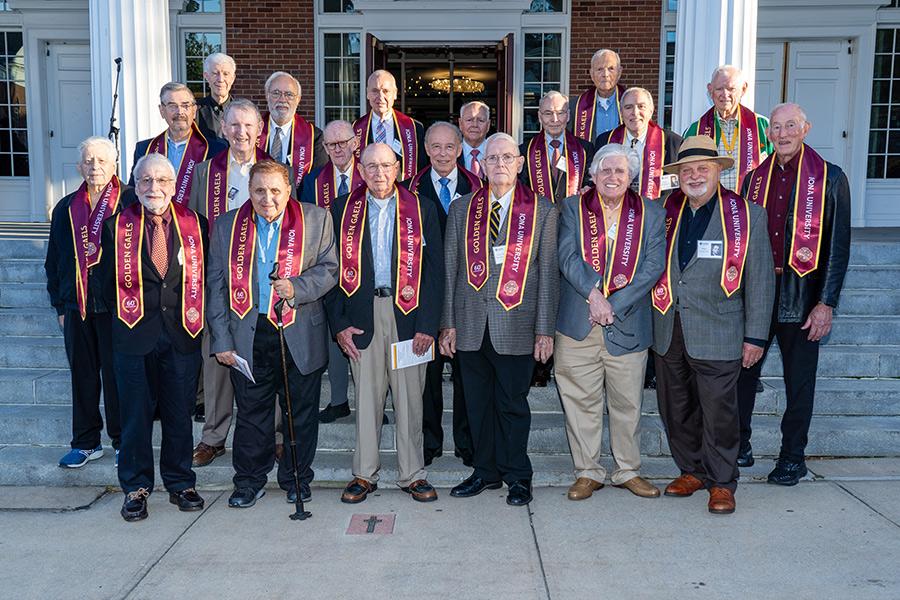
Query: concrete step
{"x": 35, "y": 386}
{"x": 874, "y": 252}
{"x": 21, "y": 352}
{"x": 872, "y": 277}
{"x": 869, "y": 302}
{"x": 22, "y": 270}
{"x": 23, "y": 248}
{"x": 36, "y": 321}
{"x": 845, "y": 360}
{"x": 864, "y": 330}
{"x": 23, "y": 295}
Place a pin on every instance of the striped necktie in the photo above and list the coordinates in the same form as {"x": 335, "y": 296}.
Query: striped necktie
{"x": 495, "y": 221}
{"x": 380, "y": 133}
{"x": 277, "y": 145}
{"x": 475, "y": 167}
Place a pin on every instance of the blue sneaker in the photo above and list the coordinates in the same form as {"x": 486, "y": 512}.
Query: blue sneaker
{"x": 78, "y": 458}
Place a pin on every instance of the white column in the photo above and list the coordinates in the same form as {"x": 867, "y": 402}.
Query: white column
{"x": 710, "y": 33}
{"x": 138, "y": 32}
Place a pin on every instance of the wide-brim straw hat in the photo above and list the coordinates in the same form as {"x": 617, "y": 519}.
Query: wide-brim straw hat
{"x": 698, "y": 148}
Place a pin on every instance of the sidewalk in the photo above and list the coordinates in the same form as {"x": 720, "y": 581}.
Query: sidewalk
{"x": 836, "y": 536}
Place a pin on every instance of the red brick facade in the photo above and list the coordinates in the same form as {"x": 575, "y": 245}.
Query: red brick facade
{"x": 272, "y": 35}
{"x": 630, "y": 27}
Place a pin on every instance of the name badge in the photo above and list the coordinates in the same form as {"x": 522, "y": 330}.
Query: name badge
{"x": 181, "y": 256}
{"x": 232, "y": 192}
{"x": 668, "y": 182}
{"x": 709, "y": 249}
{"x": 455, "y": 196}
{"x": 499, "y": 254}
{"x": 397, "y": 146}
{"x": 562, "y": 164}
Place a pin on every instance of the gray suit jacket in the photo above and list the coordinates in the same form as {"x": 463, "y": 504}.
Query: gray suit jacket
{"x": 307, "y": 337}
{"x": 633, "y": 330}
{"x": 470, "y": 311}
{"x": 715, "y": 326}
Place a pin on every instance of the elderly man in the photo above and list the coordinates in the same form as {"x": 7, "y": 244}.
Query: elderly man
{"x": 182, "y": 143}
{"x": 598, "y": 108}
{"x": 611, "y": 252}
{"x": 389, "y": 292}
{"x": 555, "y": 160}
{"x": 286, "y": 136}
{"x": 651, "y": 142}
{"x": 809, "y": 273}
{"x": 338, "y": 177}
{"x": 443, "y": 182}
{"x": 385, "y": 125}
{"x": 223, "y": 184}
{"x": 475, "y": 122}
{"x": 738, "y": 131}
{"x": 271, "y": 248}
{"x": 713, "y": 306}
{"x": 153, "y": 269}
{"x": 499, "y": 320}
{"x": 219, "y": 71}
{"x": 75, "y": 289}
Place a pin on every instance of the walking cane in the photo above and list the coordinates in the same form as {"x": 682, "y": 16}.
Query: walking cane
{"x": 300, "y": 514}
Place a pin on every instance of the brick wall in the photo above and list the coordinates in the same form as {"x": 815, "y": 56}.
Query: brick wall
{"x": 272, "y": 35}
{"x": 630, "y": 27}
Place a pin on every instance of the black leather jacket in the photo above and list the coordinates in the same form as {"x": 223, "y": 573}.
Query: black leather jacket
{"x": 800, "y": 294}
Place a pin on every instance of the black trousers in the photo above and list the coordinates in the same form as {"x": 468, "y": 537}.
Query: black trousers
{"x": 175, "y": 401}
{"x": 253, "y": 451}
{"x": 433, "y": 409}
{"x": 89, "y": 350}
{"x": 699, "y": 409}
{"x": 496, "y": 388}
{"x": 799, "y": 359}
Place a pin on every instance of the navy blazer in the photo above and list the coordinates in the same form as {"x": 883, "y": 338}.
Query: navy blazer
{"x": 216, "y": 145}
{"x": 426, "y": 190}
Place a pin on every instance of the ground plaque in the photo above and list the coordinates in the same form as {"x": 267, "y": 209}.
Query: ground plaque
{"x": 369, "y": 524}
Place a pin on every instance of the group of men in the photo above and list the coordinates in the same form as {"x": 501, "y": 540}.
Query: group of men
{"x": 602, "y": 237}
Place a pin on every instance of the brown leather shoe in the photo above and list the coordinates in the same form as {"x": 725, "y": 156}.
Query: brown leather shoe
{"x": 357, "y": 491}
{"x": 583, "y": 488}
{"x": 421, "y": 491}
{"x": 721, "y": 501}
{"x": 684, "y": 486}
{"x": 279, "y": 452}
{"x": 640, "y": 487}
{"x": 205, "y": 454}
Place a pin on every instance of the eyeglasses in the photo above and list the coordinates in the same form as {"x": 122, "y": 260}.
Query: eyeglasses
{"x": 172, "y": 106}
{"x": 341, "y": 144}
{"x": 373, "y": 168}
{"x": 285, "y": 95}
{"x": 790, "y": 128}
{"x": 148, "y": 181}
{"x": 506, "y": 159}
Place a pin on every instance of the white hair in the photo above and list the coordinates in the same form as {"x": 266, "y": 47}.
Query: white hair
{"x": 634, "y": 161}
{"x": 451, "y": 126}
{"x": 599, "y": 54}
{"x": 216, "y": 58}
{"x": 728, "y": 70}
{"x": 784, "y": 105}
{"x": 338, "y": 123}
{"x": 172, "y": 87}
{"x": 552, "y": 94}
{"x": 636, "y": 90}
{"x": 96, "y": 141}
{"x": 278, "y": 74}
{"x": 154, "y": 159}
{"x": 475, "y": 104}
{"x": 241, "y": 104}
{"x": 500, "y": 137}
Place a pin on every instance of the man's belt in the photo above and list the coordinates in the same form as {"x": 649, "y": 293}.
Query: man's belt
{"x": 384, "y": 292}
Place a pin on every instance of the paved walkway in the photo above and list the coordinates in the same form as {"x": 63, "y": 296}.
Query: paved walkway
{"x": 837, "y": 536}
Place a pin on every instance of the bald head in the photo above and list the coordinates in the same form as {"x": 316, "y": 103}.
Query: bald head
{"x": 379, "y": 166}
{"x": 381, "y": 91}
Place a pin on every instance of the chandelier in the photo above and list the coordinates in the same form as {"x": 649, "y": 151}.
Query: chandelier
{"x": 461, "y": 85}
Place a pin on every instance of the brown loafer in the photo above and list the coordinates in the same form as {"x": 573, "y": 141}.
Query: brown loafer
{"x": 357, "y": 491}
{"x": 421, "y": 491}
{"x": 205, "y": 454}
{"x": 640, "y": 487}
{"x": 721, "y": 501}
{"x": 583, "y": 488}
{"x": 684, "y": 486}
{"x": 279, "y": 452}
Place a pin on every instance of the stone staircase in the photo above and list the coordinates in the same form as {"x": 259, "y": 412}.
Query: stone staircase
{"x": 857, "y": 411}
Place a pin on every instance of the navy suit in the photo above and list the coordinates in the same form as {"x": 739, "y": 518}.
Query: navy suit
{"x": 216, "y": 145}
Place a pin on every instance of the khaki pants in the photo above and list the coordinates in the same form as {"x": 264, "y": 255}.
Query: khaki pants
{"x": 588, "y": 377}
{"x": 373, "y": 375}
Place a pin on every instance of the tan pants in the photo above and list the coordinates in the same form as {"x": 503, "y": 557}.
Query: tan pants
{"x": 588, "y": 377}
{"x": 373, "y": 374}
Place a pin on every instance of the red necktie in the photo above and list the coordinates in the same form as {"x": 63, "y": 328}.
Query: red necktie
{"x": 476, "y": 168}
{"x": 159, "y": 251}
{"x": 554, "y": 160}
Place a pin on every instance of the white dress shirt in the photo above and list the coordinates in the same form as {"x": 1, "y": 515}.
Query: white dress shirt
{"x": 451, "y": 184}
{"x": 238, "y": 181}
{"x": 285, "y": 139}
{"x": 467, "y": 153}
{"x": 389, "y": 136}
{"x": 505, "y": 201}
{"x": 563, "y": 164}
{"x": 639, "y": 146}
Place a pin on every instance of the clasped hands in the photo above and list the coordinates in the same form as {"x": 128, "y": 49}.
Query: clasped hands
{"x": 600, "y": 310}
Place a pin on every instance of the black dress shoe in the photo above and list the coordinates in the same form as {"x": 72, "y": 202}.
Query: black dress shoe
{"x": 200, "y": 413}
{"x": 519, "y": 493}
{"x": 787, "y": 472}
{"x": 135, "y": 506}
{"x": 305, "y": 494}
{"x": 330, "y": 413}
{"x": 245, "y": 497}
{"x": 473, "y": 486}
{"x": 745, "y": 457}
{"x": 187, "y": 500}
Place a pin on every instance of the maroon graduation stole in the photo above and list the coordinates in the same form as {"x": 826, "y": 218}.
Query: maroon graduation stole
{"x": 194, "y": 154}
{"x": 735, "y": 214}
{"x": 539, "y": 165}
{"x": 242, "y": 259}
{"x": 409, "y": 246}
{"x": 302, "y": 145}
{"x": 87, "y": 227}
{"x": 748, "y": 138}
{"x": 129, "y": 238}
{"x": 404, "y": 130}
{"x": 326, "y": 184}
{"x": 626, "y": 247}
{"x": 475, "y": 182}
{"x": 652, "y": 160}
{"x": 217, "y": 184}
{"x": 585, "y": 109}
{"x": 522, "y": 220}
{"x": 809, "y": 206}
